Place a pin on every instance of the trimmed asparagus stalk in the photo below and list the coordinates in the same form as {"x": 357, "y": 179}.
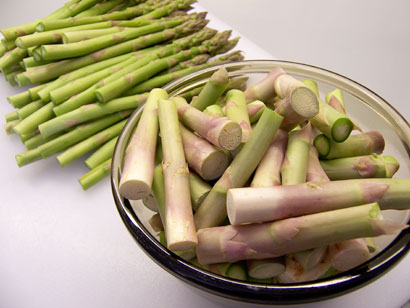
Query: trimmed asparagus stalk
{"x": 100, "y": 8}
{"x": 264, "y": 90}
{"x": 234, "y": 243}
{"x": 212, "y": 211}
{"x": 279, "y": 202}
{"x": 30, "y": 108}
{"x": 138, "y": 170}
{"x": 367, "y": 166}
{"x": 12, "y": 116}
{"x": 202, "y": 157}
{"x": 20, "y": 99}
{"x": 179, "y": 222}
{"x": 102, "y": 154}
{"x": 95, "y": 175}
{"x": 9, "y": 128}
{"x": 336, "y": 100}
{"x": 214, "y": 111}
{"x": 199, "y": 190}
{"x": 265, "y": 268}
{"x": 12, "y": 57}
{"x": 268, "y": 171}
{"x": 348, "y": 254}
{"x": 312, "y": 85}
{"x": 38, "y": 140}
{"x": 255, "y": 110}
{"x": 356, "y": 145}
{"x": 295, "y": 163}
{"x": 31, "y": 122}
{"x": 310, "y": 258}
{"x": 221, "y": 132}
{"x": 236, "y": 110}
{"x": 315, "y": 172}
{"x": 87, "y": 145}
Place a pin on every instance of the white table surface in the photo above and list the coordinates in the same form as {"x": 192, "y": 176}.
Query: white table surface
{"x": 62, "y": 247}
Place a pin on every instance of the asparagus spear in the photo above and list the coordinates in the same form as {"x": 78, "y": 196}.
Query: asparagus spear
{"x": 179, "y": 223}
{"x": 20, "y": 99}
{"x": 236, "y": 110}
{"x": 315, "y": 172}
{"x": 255, "y": 110}
{"x": 100, "y": 8}
{"x": 202, "y": 157}
{"x": 214, "y": 110}
{"x": 348, "y": 254}
{"x": 33, "y": 120}
{"x": 95, "y": 175}
{"x": 278, "y": 202}
{"x": 268, "y": 171}
{"x": 295, "y": 163}
{"x": 233, "y": 243}
{"x": 264, "y": 90}
{"x": 9, "y": 128}
{"x": 90, "y": 143}
{"x": 219, "y": 131}
{"x": 12, "y": 57}
{"x": 336, "y": 100}
{"x": 366, "y": 166}
{"x": 37, "y": 140}
{"x": 212, "y": 211}
{"x": 12, "y": 116}
{"x": 198, "y": 188}
{"x": 138, "y": 170}
{"x": 30, "y": 108}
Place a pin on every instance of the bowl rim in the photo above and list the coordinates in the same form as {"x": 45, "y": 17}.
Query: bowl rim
{"x": 295, "y": 293}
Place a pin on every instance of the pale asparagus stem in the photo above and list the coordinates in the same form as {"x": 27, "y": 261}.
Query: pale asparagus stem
{"x": 295, "y": 163}
{"x": 237, "y": 111}
{"x": 300, "y": 105}
{"x": 268, "y": 170}
{"x": 179, "y": 221}
{"x": 295, "y": 273}
{"x": 221, "y": 132}
{"x": 212, "y": 90}
{"x": 310, "y": 258}
{"x": 366, "y": 166}
{"x": 273, "y": 203}
{"x": 255, "y": 110}
{"x": 265, "y": 268}
{"x": 102, "y": 154}
{"x": 136, "y": 179}
{"x": 202, "y": 157}
{"x": 348, "y": 254}
{"x": 234, "y": 243}
{"x": 315, "y": 172}
{"x": 95, "y": 175}
{"x": 212, "y": 211}
{"x": 214, "y": 110}
{"x": 199, "y": 190}
{"x": 356, "y": 145}
{"x": 264, "y": 90}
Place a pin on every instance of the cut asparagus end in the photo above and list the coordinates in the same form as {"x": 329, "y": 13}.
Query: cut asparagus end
{"x": 349, "y": 254}
{"x": 150, "y": 202}
{"x": 378, "y": 141}
{"x": 156, "y": 223}
{"x": 391, "y": 165}
{"x": 237, "y": 271}
{"x": 304, "y": 102}
{"x": 214, "y": 165}
{"x": 266, "y": 268}
{"x": 231, "y": 136}
{"x": 135, "y": 189}
{"x": 322, "y": 145}
{"x": 310, "y": 258}
{"x": 341, "y": 129}
{"x": 28, "y": 157}
{"x": 312, "y": 85}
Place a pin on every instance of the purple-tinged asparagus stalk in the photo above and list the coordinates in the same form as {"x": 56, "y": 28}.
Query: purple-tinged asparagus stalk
{"x": 295, "y": 163}
{"x": 315, "y": 172}
{"x": 136, "y": 179}
{"x": 268, "y": 171}
{"x": 279, "y": 202}
{"x": 202, "y": 157}
{"x": 212, "y": 90}
{"x": 265, "y": 268}
{"x": 221, "y": 132}
{"x": 274, "y": 239}
{"x": 264, "y": 90}
{"x": 348, "y": 254}
{"x": 356, "y": 145}
{"x": 179, "y": 221}
{"x": 236, "y": 110}
{"x": 212, "y": 211}
{"x": 255, "y": 110}
{"x": 300, "y": 105}
{"x": 366, "y": 166}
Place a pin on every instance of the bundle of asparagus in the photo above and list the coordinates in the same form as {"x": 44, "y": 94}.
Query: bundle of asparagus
{"x": 91, "y": 63}
{"x": 274, "y": 212}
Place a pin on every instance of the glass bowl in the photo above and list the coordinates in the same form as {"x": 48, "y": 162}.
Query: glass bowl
{"x": 365, "y": 107}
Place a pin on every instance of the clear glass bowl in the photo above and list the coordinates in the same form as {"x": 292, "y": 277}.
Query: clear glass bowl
{"x": 365, "y": 107}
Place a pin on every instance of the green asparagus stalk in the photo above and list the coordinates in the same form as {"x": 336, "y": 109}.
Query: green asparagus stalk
{"x": 265, "y": 268}
{"x": 87, "y": 145}
{"x": 236, "y": 110}
{"x": 215, "y": 245}
{"x": 268, "y": 171}
{"x": 30, "y": 108}
{"x": 3, "y": 50}
{"x": 55, "y": 69}
{"x": 348, "y": 254}
{"x": 82, "y": 35}
{"x": 38, "y": 140}
{"x": 12, "y": 57}
{"x": 12, "y": 116}
{"x": 100, "y": 8}
{"x": 295, "y": 163}
{"x": 70, "y": 138}
{"x": 198, "y": 188}
{"x": 356, "y": 145}
{"x": 95, "y": 175}
{"x": 214, "y": 110}
{"x": 202, "y": 157}
{"x": 264, "y": 90}
{"x": 33, "y": 120}
{"x": 366, "y": 166}
{"x": 255, "y": 110}
{"x": 336, "y": 100}
{"x": 34, "y": 91}
{"x": 102, "y": 154}
{"x": 9, "y": 128}
{"x": 20, "y": 99}
{"x": 136, "y": 179}
{"x": 212, "y": 211}
{"x": 221, "y": 132}
{"x": 179, "y": 223}
{"x": 279, "y": 202}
